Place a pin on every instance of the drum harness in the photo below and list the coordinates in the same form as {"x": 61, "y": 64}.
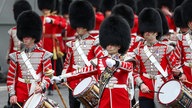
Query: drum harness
{"x": 105, "y": 77}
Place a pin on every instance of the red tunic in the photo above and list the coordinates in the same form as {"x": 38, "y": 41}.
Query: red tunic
{"x": 18, "y": 75}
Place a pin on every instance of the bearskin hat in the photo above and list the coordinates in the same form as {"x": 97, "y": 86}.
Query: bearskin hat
{"x": 29, "y": 24}
{"x": 178, "y": 17}
{"x": 20, "y": 6}
{"x": 186, "y": 6}
{"x": 45, "y": 4}
{"x": 95, "y": 3}
{"x": 168, "y": 3}
{"x": 107, "y": 5}
{"x": 165, "y": 25}
{"x": 115, "y": 30}
{"x": 81, "y": 14}
{"x": 124, "y": 11}
{"x": 56, "y": 6}
{"x": 141, "y": 4}
{"x": 131, "y": 3}
{"x": 65, "y": 6}
{"x": 150, "y": 21}
{"x": 178, "y": 2}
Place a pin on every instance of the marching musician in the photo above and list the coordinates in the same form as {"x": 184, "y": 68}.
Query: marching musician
{"x": 155, "y": 59}
{"x": 27, "y": 68}
{"x": 85, "y": 47}
{"x": 111, "y": 69}
{"x": 50, "y": 36}
{"x": 14, "y": 43}
{"x": 184, "y": 48}
{"x": 18, "y": 7}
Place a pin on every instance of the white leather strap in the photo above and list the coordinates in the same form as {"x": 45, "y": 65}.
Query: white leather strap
{"x": 154, "y": 61}
{"x": 81, "y": 53}
{"x": 29, "y": 65}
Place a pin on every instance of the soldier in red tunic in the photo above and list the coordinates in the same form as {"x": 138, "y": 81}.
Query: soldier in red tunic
{"x": 18, "y": 7}
{"x": 111, "y": 69}
{"x": 155, "y": 59}
{"x": 183, "y": 48}
{"x": 85, "y": 47}
{"x": 26, "y": 74}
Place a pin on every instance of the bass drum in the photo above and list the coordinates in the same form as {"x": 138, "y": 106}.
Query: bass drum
{"x": 175, "y": 94}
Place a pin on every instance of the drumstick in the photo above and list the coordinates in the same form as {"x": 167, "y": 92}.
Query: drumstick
{"x": 60, "y": 95}
{"x": 156, "y": 92}
{"x": 68, "y": 86}
{"x": 18, "y": 105}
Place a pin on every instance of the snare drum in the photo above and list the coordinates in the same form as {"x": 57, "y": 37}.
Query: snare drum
{"x": 87, "y": 92}
{"x": 174, "y": 94}
{"x": 39, "y": 101}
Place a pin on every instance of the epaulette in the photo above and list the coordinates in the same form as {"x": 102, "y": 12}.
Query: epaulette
{"x": 13, "y": 56}
{"x": 138, "y": 38}
{"x": 96, "y": 42}
{"x": 69, "y": 43}
{"x": 169, "y": 48}
{"x": 47, "y": 55}
{"x": 179, "y": 36}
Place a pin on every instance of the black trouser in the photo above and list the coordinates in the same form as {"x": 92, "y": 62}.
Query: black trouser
{"x": 73, "y": 102}
{"x": 146, "y": 103}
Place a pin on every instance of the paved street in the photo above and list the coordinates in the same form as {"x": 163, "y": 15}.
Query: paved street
{"x": 55, "y": 97}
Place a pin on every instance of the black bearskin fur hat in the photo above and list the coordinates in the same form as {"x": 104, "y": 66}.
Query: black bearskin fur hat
{"x": 115, "y": 30}
{"x": 186, "y": 7}
{"x": 95, "y": 3}
{"x": 45, "y": 4}
{"x": 65, "y": 6}
{"x": 124, "y": 11}
{"x": 20, "y": 6}
{"x": 29, "y": 24}
{"x": 107, "y": 5}
{"x": 168, "y": 3}
{"x": 165, "y": 25}
{"x": 141, "y": 4}
{"x": 130, "y": 3}
{"x": 81, "y": 14}
{"x": 150, "y": 21}
{"x": 178, "y": 17}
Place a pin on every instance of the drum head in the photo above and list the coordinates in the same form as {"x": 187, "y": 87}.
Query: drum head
{"x": 33, "y": 101}
{"x": 81, "y": 87}
{"x": 169, "y": 92}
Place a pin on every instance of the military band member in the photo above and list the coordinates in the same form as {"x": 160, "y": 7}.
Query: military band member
{"x": 26, "y": 74}
{"x": 85, "y": 47}
{"x": 155, "y": 59}
{"x": 111, "y": 69}
{"x": 183, "y": 48}
{"x": 18, "y": 7}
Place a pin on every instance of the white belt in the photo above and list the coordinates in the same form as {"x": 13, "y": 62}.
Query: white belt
{"x": 116, "y": 86}
{"x": 69, "y": 38}
{"x": 149, "y": 76}
{"x": 188, "y": 64}
{"x": 26, "y": 80}
{"x": 94, "y": 31}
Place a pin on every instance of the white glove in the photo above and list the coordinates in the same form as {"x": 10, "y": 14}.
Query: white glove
{"x": 56, "y": 79}
{"x": 48, "y": 20}
{"x": 110, "y": 62}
